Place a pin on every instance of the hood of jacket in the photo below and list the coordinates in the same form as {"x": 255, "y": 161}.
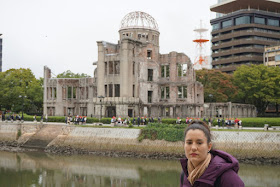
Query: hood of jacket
{"x": 220, "y": 163}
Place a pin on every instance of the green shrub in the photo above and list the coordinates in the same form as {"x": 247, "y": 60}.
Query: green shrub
{"x": 168, "y": 120}
{"x": 168, "y": 132}
{"x": 18, "y": 133}
{"x": 92, "y": 120}
{"x": 106, "y": 120}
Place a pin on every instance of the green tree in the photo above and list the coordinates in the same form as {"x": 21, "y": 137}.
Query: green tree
{"x": 275, "y": 77}
{"x": 218, "y": 86}
{"x": 69, "y": 74}
{"x": 258, "y": 85}
{"x": 18, "y": 87}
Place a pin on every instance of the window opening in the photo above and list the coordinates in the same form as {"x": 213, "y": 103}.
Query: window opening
{"x": 54, "y": 93}
{"x": 150, "y": 74}
{"x": 162, "y": 71}
{"x": 105, "y": 90}
{"x": 69, "y": 92}
{"x": 162, "y": 92}
{"x": 150, "y": 94}
{"x": 111, "y": 67}
{"x": 167, "y": 71}
{"x": 133, "y": 69}
{"x": 105, "y": 68}
{"x": 117, "y": 90}
{"x": 74, "y": 92}
{"x": 167, "y": 92}
{"x": 117, "y": 67}
{"x": 149, "y": 54}
{"x": 110, "y": 90}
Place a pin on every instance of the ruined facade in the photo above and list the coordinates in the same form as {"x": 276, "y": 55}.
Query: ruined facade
{"x": 131, "y": 79}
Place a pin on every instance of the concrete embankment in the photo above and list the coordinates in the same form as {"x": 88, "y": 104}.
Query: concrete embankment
{"x": 60, "y": 138}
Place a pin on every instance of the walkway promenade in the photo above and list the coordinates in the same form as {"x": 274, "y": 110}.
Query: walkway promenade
{"x": 142, "y": 126}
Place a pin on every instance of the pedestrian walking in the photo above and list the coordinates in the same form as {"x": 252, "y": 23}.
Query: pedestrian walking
{"x": 46, "y": 117}
{"x": 138, "y": 121}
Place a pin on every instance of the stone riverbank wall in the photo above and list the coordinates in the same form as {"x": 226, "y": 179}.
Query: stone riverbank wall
{"x": 117, "y": 141}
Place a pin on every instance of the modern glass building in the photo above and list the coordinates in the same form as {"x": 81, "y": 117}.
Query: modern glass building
{"x": 240, "y": 34}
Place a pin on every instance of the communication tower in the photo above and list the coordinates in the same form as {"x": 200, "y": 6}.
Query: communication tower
{"x": 200, "y": 43}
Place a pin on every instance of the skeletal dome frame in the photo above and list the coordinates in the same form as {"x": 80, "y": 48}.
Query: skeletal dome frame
{"x": 139, "y": 19}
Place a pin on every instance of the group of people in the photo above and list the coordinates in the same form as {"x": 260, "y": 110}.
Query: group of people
{"x": 10, "y": 117}
{"x": 77, "y": 120}
{"x": 42, "y": 118}
{"x": 229, "y": 122}
{"x": 134, "y": 121}
{"x": 120, "y": 121}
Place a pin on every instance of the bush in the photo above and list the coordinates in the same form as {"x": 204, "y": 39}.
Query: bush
{"x": 168, "y": 132}
{"x": 18, "y": 133}
{"x": 168, "y": 121}
{"x": 92, "y": 120}
{"x": 106, "y": 120}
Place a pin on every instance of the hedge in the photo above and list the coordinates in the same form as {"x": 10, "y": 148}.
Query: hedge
{"x": 246, "y": 122}
{"x": 168, "y": 132}
{"x": 62, "y": 119}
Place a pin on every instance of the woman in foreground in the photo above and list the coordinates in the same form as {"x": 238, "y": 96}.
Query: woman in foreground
{"x": 203, "y": 166}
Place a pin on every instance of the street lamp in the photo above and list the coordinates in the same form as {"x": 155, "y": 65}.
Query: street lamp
{"x": 100, "y": 97}
{"x": 21, "y": 96}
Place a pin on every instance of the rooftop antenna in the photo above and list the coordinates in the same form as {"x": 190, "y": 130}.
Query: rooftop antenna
{"x": 200, "y": 43}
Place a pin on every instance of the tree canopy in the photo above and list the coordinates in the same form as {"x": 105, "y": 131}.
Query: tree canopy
{"x": 258, "y": 85}
{"x": 19, "y": 89}
{"x": 218, "y": 86}
{"x": 70, "y": 74}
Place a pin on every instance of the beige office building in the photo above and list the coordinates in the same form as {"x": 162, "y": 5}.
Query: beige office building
{"x": 272, "y": 56}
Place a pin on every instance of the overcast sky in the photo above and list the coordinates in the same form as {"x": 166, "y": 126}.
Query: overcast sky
{"x": 62, "y": 34}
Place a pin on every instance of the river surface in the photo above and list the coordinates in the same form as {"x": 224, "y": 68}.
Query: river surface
{"x": 41, "y": 169}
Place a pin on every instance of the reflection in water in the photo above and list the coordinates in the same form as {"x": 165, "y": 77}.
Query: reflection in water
{"x": 40, "y": 169}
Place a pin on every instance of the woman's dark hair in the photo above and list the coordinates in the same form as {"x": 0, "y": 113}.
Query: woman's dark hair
{"x": 201, "y": 126}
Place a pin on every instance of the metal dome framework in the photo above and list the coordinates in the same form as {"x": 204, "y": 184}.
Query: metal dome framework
{"x": 139, "y": 19}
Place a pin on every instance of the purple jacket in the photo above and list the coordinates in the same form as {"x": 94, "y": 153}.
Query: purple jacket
{"x": 222, "y": 171}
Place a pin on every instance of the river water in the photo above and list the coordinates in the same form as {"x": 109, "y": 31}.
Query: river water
{"x": 41, "y": 169}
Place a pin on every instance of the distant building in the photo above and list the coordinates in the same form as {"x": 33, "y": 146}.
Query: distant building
{"x": 272, "y": 56}
{"x": 0, "y": 53}
{"x": 242, "y": 31}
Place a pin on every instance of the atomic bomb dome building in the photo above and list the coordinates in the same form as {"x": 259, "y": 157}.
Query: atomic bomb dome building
{"x": 131, "y": 79}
